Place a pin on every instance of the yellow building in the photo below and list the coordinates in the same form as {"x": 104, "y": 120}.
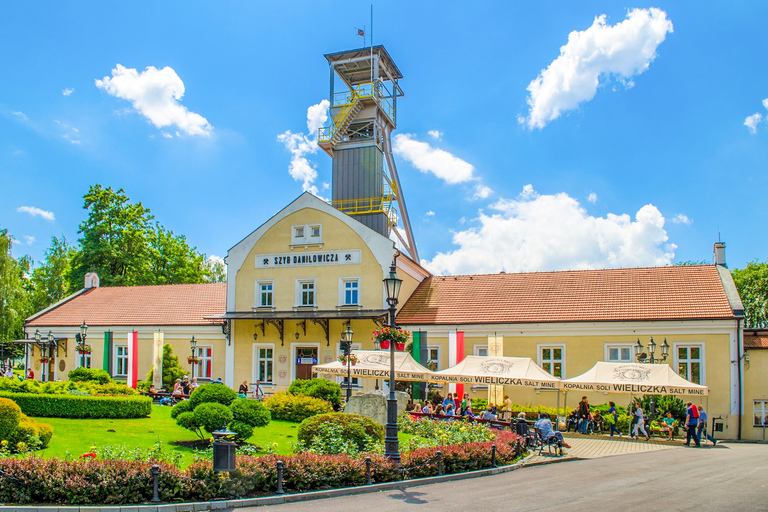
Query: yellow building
{"x": 755, "y": 359}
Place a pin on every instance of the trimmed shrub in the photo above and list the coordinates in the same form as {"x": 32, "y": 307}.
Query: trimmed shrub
{"x": 68, "y": 387}
{"x": 323, "y": 389}
{"x": 244, "y": 430}
{"x": 250, "y": 412}
{"x": 187, "y": 420}
{"x": 45, "y": 431}
{"x": 354, "y": 427}
{"x": 181, "y": 407}
{"x": 212, "y": 393}
{"x": 296, "y": 408}
{"x": 211, "y": 416}
{"x": 83, "y": 374}
{"x": 72, "y": 406}
{"x": 10, "y": 415}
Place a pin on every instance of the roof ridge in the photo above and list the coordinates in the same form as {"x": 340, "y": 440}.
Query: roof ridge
{"x": 583, "y": 270}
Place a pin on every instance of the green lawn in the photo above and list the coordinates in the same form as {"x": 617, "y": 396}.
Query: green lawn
{"x": 73, "y": 437}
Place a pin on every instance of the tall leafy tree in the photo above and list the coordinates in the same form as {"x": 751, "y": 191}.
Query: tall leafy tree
{"x": 15, "y": 303}
{"x": 172, "y": 260}
{"x": 50, "y": 281}
{"x": 215, "y": 270}
{"x": 752, "y": 283}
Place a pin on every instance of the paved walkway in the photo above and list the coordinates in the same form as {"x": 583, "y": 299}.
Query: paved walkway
{"x": 596, "y": 446}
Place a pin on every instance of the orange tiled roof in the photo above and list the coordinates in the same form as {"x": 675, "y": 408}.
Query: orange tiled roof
{"x": 755, "y": 341}
{"x": 654, "y": 293}
{"x": 180, "y": 304}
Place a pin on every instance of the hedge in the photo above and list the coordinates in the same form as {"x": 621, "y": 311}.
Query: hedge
{"x": 75, "y": 406}
{"x": 287, "y": 407}
{"x": 117, "y": 482}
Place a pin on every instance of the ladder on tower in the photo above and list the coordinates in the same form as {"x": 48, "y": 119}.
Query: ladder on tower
{"x": 345, "y": 116}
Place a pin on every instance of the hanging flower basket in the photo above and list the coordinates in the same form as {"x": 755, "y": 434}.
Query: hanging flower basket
{"x": 45, "y": 359}
{"x": 352, "y": 358}
{"x": 84, "y": 349}
{"x": 387, "y": 335}
{"x": 193, "y": 360}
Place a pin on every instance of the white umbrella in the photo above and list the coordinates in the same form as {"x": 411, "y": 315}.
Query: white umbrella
{"x": 651, "y": 379}
{"x": 374, "y": 364}
{"x": 508, "y": 371}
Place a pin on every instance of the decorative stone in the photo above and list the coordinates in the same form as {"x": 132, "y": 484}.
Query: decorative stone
{"x": 374, "y": 405}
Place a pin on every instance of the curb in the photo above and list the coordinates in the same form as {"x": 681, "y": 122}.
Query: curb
{"x": 285, "y": 498}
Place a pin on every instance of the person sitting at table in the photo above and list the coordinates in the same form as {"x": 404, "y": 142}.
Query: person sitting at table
{"x": 468, "y": 412}
{"x": 151, "y": 389}
{"x": 439, "y": 410}
{"x": 416, "y": 407}
{"x": 427, "y": 409}
{"x": 242, "y": 392}
{"x": 449, "y": 410}
{"x": 668, "y": 425}
{"x": 177, "y": 391}
{"x": 544, "y": 424}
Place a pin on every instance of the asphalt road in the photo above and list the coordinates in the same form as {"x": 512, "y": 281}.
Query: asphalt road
{"x": 730, "y": 477}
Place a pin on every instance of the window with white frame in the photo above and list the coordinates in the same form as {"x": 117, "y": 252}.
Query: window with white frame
{"x": 315, "y": 233}
{"x": 552, "y": 359}
{"x": 298, "y": 233}
{"x": 264, "y": 363}
{"x": 689, "y": 362}
{"x": 618, "y": 352}
{"x": 79, "y": 358}
{"x": 433, "y": 357}
{"x": 305, "y": 234}
{"x": 481, "y": 350}
{"x": 305, "y": 292}
{"x": 204, "y": 368}
{"x": 121, "y": 360}
{"x": 265, "y": 294}
{"x": 355, "y": 382}
{"x": 760, "y": 408}
{"x": 350, "y": 291}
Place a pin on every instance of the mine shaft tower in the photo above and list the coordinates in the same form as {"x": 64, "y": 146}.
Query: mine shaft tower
{"x": 363, "y": 115}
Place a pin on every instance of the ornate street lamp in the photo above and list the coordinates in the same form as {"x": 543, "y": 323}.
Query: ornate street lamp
{"x": 80, "y": 339}
{"x": 193, "y": 346}
{"x": 346, "y": 347}
{"x": 651, "y": 358}
{"x": 391, "y": 445}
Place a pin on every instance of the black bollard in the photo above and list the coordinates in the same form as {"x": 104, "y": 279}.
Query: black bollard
{"x": 439, "y": 463}
{"x": 155, "y": 481}
{"x": 280, "y": 467}
{"x": 493, "y": 455}
{"x": 368, "y": 469}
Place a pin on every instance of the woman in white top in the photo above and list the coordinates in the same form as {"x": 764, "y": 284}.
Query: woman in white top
{"x": 640, "y": 425}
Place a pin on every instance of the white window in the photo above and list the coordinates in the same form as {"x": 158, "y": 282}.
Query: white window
{"x": 349, "y": 291}
{"x": 298, "y": 233}
{"x": 760, "y": 408}
{"x": 343, "y": 380}
{"x": 79, "y": 358}
{"x": 264, "y": 363}
{"x": 121, "y": 360}
{"x": 204, "y": 368}
{"x": 265, "y": 294}
{"x": 433, "y": 357}
{"x": 315, "y": 233}
{"x": 305, "y": 234}
{"x": 552, "y": 359}
{"x": 689, "y": 362}
{"x": 305, "y": 296}
{"x": 619, "y": 352}
{"x": 481, "y": 350}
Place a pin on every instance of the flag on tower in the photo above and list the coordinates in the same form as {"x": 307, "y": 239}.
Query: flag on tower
{"x": 361, "y": 32}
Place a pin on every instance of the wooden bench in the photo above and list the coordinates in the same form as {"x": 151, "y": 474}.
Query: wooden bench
{"x": 493, "y": 423}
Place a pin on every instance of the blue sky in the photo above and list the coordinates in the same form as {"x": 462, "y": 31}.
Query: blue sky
{"x": 644, "y": 169}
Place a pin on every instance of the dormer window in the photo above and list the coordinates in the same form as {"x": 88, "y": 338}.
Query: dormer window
{"x": 307, "y": 234}
{"x": 299, "y": 232}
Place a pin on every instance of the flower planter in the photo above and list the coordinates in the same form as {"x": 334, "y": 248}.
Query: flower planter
{"x": 384, "y": 344}
{"x": 399, "y": 347}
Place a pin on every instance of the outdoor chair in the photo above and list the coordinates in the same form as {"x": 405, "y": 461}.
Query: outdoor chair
{"x": 549, "y": 443}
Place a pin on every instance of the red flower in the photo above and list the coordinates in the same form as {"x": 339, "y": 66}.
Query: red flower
{"x": 89, "y": 455}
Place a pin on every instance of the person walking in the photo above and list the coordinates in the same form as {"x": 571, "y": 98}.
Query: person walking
{"x": 691, "y": 423}
{"x": 702, "y": 427}
{"x": 583, "y": 415}
{"x": 640, "y": 425}
{"x": 615, "y": 414}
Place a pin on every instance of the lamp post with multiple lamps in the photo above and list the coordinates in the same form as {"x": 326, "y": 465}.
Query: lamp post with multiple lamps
{"x": 391, "y": 445}
{"x": 80, "y": 339}
{"x": 193, "y": 347}
{"x": 346, "y": 347}
{"x": 45, "y": 344}
{"x": 650, "y": 357}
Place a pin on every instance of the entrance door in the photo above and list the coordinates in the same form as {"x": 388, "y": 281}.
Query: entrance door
{"x": 306, "y": 357}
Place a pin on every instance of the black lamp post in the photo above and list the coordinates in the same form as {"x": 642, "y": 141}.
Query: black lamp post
{"x": 346, "y": 347}
{"x": 80, "y": 339}
{"x": 642, "y": 357}
{"x": 193, "y": 346}
{"x": 391, "y": 444}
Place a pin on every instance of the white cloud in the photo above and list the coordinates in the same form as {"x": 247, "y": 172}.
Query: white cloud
{"x": 554, "y": 232}
{"x": 70, "y": 132}
{"x": 22, "y": 115}
{"x": 592, "y": 197}
{"x": 67, "y": 91}
{"x": 623, "y": 50}
{"x": 482, "y": 192}
{"x": 29, "y": 240}
{"x": 300, "y": 145}
{"x": 681, "y": 218}
{"x": 155, "y": 94}
{"x": 430, "y": 213}
{"x": 425, "y": 158}
{"x": 36, "y": 212}
{"x": 435, "y": 134}
{"x": 752, "y": 121}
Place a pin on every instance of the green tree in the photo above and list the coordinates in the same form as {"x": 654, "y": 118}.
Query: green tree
{"x": 15, "y": 305}
{"x": 50, "y": 281}
{"x": 752, "y": 284}
{"x": 215, "y": 270}
{"x": 692, "y": 262}
{"x": 172, "y": 260}
{"x": 172, "y": 370}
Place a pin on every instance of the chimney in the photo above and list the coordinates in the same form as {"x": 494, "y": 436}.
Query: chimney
{"x": 719, "y": 251}
{"x": 91, "y": 280}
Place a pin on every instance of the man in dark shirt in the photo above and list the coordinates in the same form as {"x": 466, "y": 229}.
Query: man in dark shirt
{"x": 583, "y": 415}
{"x": 185, "y": 385}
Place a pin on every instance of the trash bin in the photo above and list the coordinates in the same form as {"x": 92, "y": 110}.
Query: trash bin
{"x": 223, "y": 451}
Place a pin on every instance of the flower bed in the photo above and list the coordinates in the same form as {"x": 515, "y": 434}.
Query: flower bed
{"x": 94, "y": 481}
